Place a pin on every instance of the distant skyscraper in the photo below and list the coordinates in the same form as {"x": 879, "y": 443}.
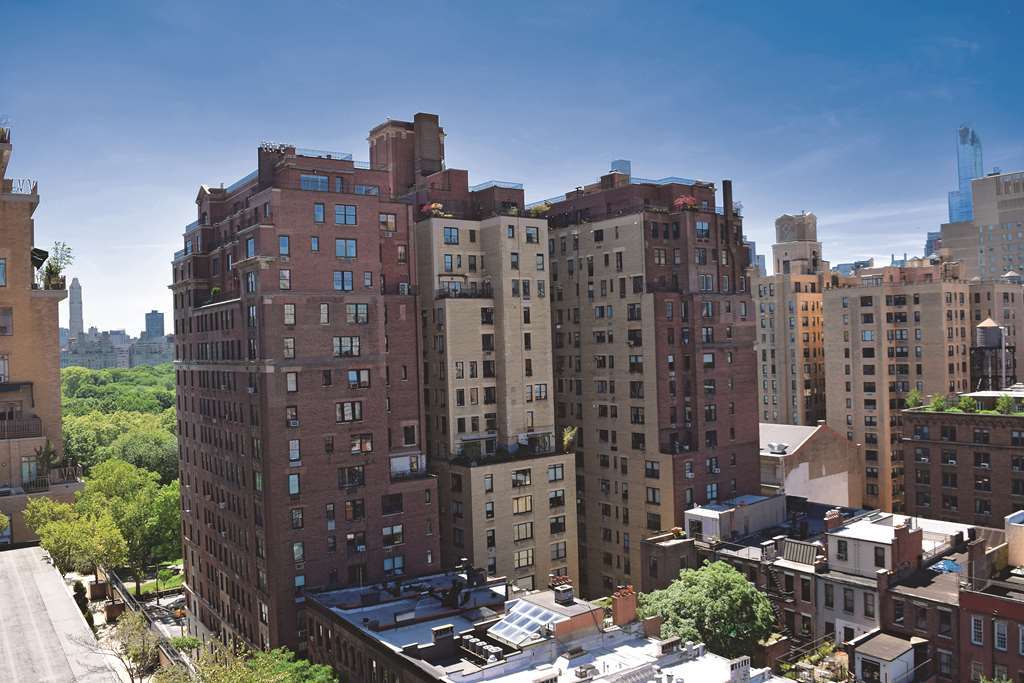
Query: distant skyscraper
{"x": 932, "y": 244}
{"x": 756, "y": 260}
{"x": 154, "y": 325}
{"x": 76, "y": 325}
{"x": 968, "y": 167}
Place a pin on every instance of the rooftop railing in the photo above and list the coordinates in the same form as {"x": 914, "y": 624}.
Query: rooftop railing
{"x": 241, "y": 182}
{"x": 496, "y": 183}
{"x": 322, "y": 154}
{"x": 23, "y": 186}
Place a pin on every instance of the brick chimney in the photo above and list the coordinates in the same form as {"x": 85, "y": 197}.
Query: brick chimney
{"x": 833, "y": 519}
{"x": 624, "y": 606}
{"x": 907, "y": 546}
{"x": 652, "y": 626}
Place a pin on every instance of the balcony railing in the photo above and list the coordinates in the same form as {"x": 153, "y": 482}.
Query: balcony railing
{"x": 22, "y": 186}
{"x": 482, "y": 293}
{"x": 21, "y": 428}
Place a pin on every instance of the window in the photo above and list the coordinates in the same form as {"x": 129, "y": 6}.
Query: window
{"x": 394, "y": 565}
{"x": 368, "y": 189}
{"x": 289, "y": 347}
{"x": 523, "y": 558}
{"x": 318, "y": 213}
{"x": 558, "y": 551}
{"x": 289, "y": 314}
{"x": 556, "y": 499}
{"x": 869, "y": 604}
{"x": 521, "y": 478}
{"x": 451, "y": 235}
{"x": 3, "y": 272}
{"x": 841, "y": 550}
{"x": 357, "y": 314}
{"x": 392, "y": 535}
{"x": 346, "y": 346}
{"x": 556, "y": 472}
{"x": 294, "y": 486}
{"x": 342, "y": 280}
{"x": 284, "y": 279}
{"x": 880, "y": 556}
{"x": 294, "y": 455}
{"x": 283, "y": 245}
{"x": 522, "y": 531}
{"x": 344, "y": 214}
{"x": 848, "y": 600}
{"x": 488, "y": 483}
{"x": 1000, "y": 635}
{"x": 361, "y": 443}
{"x": 344, "y": 248}
{"x": 315, "y": 183}
{"x": 977, "y": 630}
{"x": 830, "y": 595}
{"x": 522, "y": 505}
{"x": 348, "y": 411}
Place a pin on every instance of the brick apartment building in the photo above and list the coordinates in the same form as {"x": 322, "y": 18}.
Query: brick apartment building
{"x": 790, "y": 341}
{"x": 653, "y": 349}
{"x": 30, "y": 411}
{"x": 889, "y": 331}
{"x": 299, "y": 413}
{"x": 965, "y": 466}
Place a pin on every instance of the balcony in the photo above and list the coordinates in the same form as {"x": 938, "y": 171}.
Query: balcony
{"x": 21, "y": 428}
{"x": 56, "y": 476}
{"x": 482, "y": 293}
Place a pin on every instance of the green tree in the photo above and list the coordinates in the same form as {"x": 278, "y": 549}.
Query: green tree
{"x": 76, "y": 541}
{"x": 135, "y": 645}
{"x": 146, "y": 512}
{"x": 714, "y": 604}
{"x": 967, "y": 404}
{"x": 221, "y": 665}
{"x": 1005, "y": 405}
{"x": 5, "y": 522}
{"x": 938, "y": 403}
{"x": 914, "y": 399}
{"x": 188, "y": 644}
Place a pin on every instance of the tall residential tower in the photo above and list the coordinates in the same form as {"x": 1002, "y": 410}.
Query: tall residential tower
{"x": 969, "y": 166}
{"x": 790, "y": 341}
{"x": 654, "y": 364}
{"x": 299, "y": 412}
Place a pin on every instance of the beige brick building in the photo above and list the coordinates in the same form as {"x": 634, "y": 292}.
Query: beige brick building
{"x": 29, "y": 359}
{"x": 790, "y": 339}
{"x": 507, "y": 492}
{"x": 889, "y": 331}
{"x": 993, "y": 243}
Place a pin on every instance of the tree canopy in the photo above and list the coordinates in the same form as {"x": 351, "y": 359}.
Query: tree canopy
{"x": 147, "y": 512}
{"x": 714, "y": 604}
{"x": 121, "y": 414}
{"x": 275, "y": 666}
{"x": 76, "y": 539}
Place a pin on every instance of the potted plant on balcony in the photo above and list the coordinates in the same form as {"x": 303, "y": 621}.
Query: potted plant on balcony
{"x": 539, "y": 210}
{"x": 684, "y": 202}
{"x": 56, "y": 264}
{"x": 435, "y": 209}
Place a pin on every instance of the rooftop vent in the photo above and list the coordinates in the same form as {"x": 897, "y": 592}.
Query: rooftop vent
{"x": 563, "y": 594}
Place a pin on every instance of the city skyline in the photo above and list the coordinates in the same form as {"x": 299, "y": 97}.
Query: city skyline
{"x": 861, "y": 131}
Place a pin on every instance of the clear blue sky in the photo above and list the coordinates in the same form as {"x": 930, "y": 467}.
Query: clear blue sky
{"x": 122, "y": 110}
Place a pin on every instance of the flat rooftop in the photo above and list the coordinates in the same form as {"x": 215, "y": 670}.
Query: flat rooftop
{"x": 885, "y": 647}
{"x": 881, "y": 528}
{"x": 791, "y": 436}
{"x": 43, "y": 636}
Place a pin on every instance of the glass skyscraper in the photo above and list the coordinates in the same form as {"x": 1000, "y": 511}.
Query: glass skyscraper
{"x": 968, "y": 167}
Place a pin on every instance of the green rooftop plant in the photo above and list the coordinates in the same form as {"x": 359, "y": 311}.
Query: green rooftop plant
{"x": 1004, "y": 404}
{"x": 938, "y": 403}
{"x": 913, "y": 399}
{"x": 967, "y": 404}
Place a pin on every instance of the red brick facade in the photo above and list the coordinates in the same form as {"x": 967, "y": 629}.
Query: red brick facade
{"x": 298, "y": 394}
